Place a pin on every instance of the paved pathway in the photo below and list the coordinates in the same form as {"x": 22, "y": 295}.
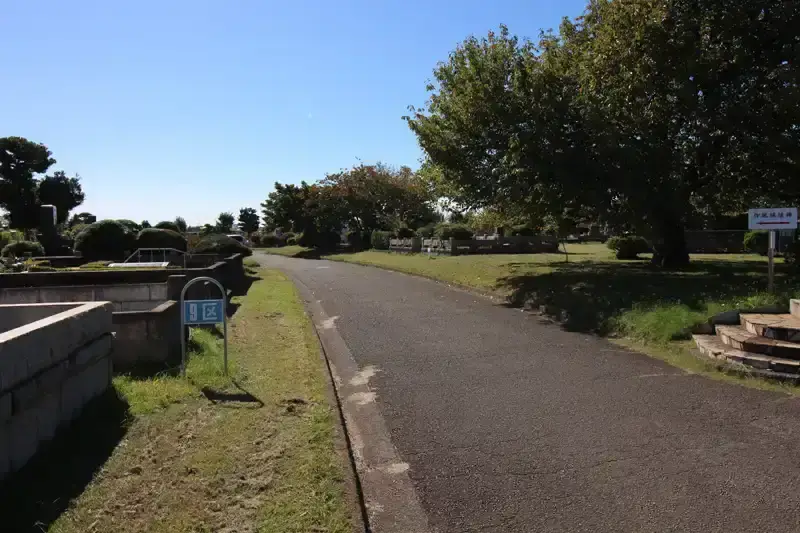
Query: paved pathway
{"x": 513, "y": 425}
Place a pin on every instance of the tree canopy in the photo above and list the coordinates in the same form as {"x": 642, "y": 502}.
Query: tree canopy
{"x": 639, "y": 112}
{"x": 23, "y": 191}
{"x": 248, "y": 220}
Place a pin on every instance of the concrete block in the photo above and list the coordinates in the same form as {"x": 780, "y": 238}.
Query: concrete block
{"x": 96, "y": 349}
{"x": 19, "y": 296}
{"x": 5, "y": 407}
{"x": 48, "y": 416}
{"x": 5, "y": 450}
{"x": 24, "y": 438}
{"x": 50, "y": 380}
{"x": 24, "y": 396}
{"x": 70, "y": 400}
{"x": 158, "y": 292}
{"x": 66, "y": 294}
{"x": 123, "y": 293}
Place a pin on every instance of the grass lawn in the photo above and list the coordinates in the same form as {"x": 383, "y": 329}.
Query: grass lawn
{"x": 649, "y": 309}
{"x": 257, "y": 451}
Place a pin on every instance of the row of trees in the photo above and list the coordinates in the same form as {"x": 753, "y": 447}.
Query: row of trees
{"x": 361, "y": 199}
{"x": 639, "y": 114}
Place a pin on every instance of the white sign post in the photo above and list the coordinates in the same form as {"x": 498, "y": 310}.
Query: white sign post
{"x": 772, "y": 219}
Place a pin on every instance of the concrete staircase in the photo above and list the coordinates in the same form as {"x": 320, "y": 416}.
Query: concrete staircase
{"x": 767, "y": 343}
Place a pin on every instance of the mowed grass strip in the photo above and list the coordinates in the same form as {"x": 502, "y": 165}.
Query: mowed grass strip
{"x": 257, "y": 452}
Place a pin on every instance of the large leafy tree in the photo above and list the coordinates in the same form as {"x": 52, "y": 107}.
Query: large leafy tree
{"x": 637, "y": 113}
{"x": 22, "y": 191}
{"x": 225, "y": 223}
{"x": 285, "y": 207}
{"x": 248, "y": 220}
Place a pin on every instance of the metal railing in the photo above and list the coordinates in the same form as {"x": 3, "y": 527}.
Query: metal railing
{"x": 154, "y": 252}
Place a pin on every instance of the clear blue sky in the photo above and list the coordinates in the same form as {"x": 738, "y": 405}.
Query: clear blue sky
{"x": 192, "y": 107}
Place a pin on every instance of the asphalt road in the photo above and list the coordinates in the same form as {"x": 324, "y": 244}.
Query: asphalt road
{"x": 509, "y": 424}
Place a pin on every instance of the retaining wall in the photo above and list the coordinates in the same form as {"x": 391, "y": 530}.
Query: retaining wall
{"x": 49, "y": 369}
{"x": 147, "y": 337}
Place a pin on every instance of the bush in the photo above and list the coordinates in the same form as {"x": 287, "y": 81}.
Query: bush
{"x": 792, "y": 255}
{"x": 38, "y": 266}
{"x": 380, "y": 239}
{"x": 628, "y": 246}
{"x": 292, "y": 241}
{"x": 405, "y": 233}
{"x": 426, "y": 232}
{"x": 268, "y": 240}
{"x": 160, "y": 238}
{"x": 130, "y": 226}
{"x": 359, "y": 240}
{"x": 168, "y": 224}
{"x": 221, "y": 245}
{"x": 522, "y": 230}
{"x": 446, "y": 231}
{"x": 319, "y": 239}
{"x": 22, "y": 249}
{"x": 756, "y": 242}
{"x": 7, "y": 237}
{"x": 105, "y": 239}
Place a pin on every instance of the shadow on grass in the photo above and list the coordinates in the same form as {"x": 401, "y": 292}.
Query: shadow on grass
{"x": 592, "y": 293}
{"x": 35, "y": 496}
{"x": 239, "y": 396}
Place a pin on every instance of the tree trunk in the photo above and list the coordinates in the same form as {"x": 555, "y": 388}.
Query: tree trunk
{"x": 669, "y": 243}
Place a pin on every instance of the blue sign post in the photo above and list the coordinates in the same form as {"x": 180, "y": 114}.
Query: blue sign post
{"x": 203, "y": 312}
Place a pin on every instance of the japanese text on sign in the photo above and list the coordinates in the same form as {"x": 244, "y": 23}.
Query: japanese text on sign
{"x": 773, "y": 218}
{"x": 202, "y": 311}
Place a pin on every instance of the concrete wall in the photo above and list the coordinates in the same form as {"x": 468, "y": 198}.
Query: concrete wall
{"x": 128, "y": 297}
{"x": 14, "y": 316}
{"x": 49, "y": 369}
{"x": 147, "y": 337}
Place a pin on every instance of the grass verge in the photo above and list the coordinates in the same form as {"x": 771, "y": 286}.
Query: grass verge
{"x": 648, "y": 309}
{"x": 257, "y": 451}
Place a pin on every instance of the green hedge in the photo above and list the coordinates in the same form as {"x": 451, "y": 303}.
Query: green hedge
{"x": 222, "y": 245}
{"x": 380, "y": 239}
{"x": 160, "y": 238}
{"x": 105, "y": 239}
{"x": 405, "y": 233}
{"x": 756, "y": 242}
{"x": 446, "y": 231}
{"x": 168, "y": 224}
{"x": 426, "y": 232}
{"x": 22, "y": 249}
{"x": 628, "y": 246}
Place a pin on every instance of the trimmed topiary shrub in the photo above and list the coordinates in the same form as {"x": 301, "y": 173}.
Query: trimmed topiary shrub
{"x": 756, "y": 242}
{"x": 105, "y": 239}
{"x": 380, "y": 239}
{"x": 628, "y": 246}
{"x": 130, "y": 226}
{"x": 426, "y": 232}
{"x": 160, "y": 238}
{"x": 222, "y": 245}
{"x": 268, "y": 240}
{"x": 446, "y": 231}
{"x": 168, "y": 224}
{"x": 23, "y": 249}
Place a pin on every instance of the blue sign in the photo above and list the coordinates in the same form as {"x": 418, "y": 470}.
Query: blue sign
{"x": 203, "y": 311}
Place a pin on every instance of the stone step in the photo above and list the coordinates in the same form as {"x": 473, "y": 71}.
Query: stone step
{"x": 741, "y": 339}
{"x": 764, "y": 365}
{"x": 779, "y": 327}
{"x": 794, "y": 308}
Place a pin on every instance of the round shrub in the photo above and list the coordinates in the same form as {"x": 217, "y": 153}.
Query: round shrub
{"x": 292, "y": 241}
{"x": 168, "y": 224}
{"x": 268, "y": 240}
{"x": 426, "y": 232}
{"x": 405, "y": 233}
{"x": 160, "y": 238}
{"x": 628, "y": 246}
{"x": 22, "y": 249}
{"x": 130, "y": 226}
{"x": 756, "y": 242}
{"x": 446, "y": 231}
{"x": 221, "y": 245}
{"x": 380, "y": 239}
{"x": 105, "y": 239}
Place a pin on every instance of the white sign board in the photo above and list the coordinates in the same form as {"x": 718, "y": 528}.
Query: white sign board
{"x": 773, "y": 218}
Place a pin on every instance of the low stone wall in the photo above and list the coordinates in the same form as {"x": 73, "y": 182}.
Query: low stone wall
{"x": 49, "y": 369}
{"x": 125, "y": 297}
{"x": 149, "y": 337}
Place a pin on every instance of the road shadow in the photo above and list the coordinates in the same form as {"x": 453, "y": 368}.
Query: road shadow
{"x": 32, "y": 498}
{"x": 591, "y": 293}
